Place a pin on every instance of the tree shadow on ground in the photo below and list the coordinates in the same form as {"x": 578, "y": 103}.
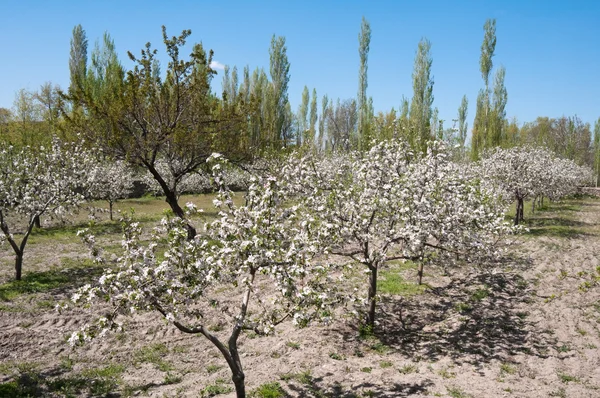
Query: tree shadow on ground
{"x": 319, "y": 387}
{"x": 474, "y": 319}
{"x": 58, "y": 382}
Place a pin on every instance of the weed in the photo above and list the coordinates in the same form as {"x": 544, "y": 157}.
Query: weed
{"x": 463, "y": 308}
{"x": 385, "y": 364}
{"x": 336, "y": 356}
{"x": 480, "y": 294}
{"x": 293, "y": 344}
{"x": 406, "y": 369}
{"x": 565, "y": 378}
{"x": 366, "y": 369}
{"x": 171, "y": 378}
{"x": 213, "y": 368}
{"x": 215, "y": 389}
{"x": 380, "y": 348}
{"x": 507, "y": 369}
{"x": 154, "y": 354}
{"x": 268, "y": 390}
{"x": 446, "y": 374}
{"x": 563, "y": 348}
{"x": 456, "y": 392}
{"x": 561, "y": 393}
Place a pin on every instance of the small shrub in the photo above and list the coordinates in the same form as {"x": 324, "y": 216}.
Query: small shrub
{"x": 268, "y": 390}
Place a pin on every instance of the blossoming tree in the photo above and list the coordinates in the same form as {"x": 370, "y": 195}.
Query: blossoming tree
{"x": 262, "y": 252}
{"x": 391, "y": 203}
{"x": 110, "y": 180}
{"x": 46, "y": 180}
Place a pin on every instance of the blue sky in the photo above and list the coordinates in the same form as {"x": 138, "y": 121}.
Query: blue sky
{"x": 550, "y": 49}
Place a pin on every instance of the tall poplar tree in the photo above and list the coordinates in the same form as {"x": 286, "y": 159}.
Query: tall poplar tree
{"x": 498, "y": 110}
{"x": 422, "y": 100}
{"x": 303, "y": 116}
{"x": 322, "y": 123}
{"x": 462, "y": 123}
{"x": 313, "y": 118}
{"x": 280, "y": 77}
{"x": 364, "y": 42}
{"x": 482, "y": 117}
{"x": 78, "y": 58}
{"x": 597, "y": 150}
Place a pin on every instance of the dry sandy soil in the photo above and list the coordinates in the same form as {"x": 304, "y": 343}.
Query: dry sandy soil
{"x": 529, "y": 327}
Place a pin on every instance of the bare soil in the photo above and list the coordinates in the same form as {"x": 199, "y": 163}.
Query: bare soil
{"x": 529, "y": 327}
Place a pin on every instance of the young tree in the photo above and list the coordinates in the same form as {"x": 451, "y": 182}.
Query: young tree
{"x": 422, "y": 100}
{"x": 498, "y": 113}
{"x": 321, "y": 141}
{"x": 110, "y": 180}
{"x": 36, "y": 181}
{"x": 262, "y": 251}
{"x": 364, "y": 42}
{"x": 391, "y": 203}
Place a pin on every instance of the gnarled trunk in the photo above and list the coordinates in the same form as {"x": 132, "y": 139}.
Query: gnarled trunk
{"x": 372, "y": 295}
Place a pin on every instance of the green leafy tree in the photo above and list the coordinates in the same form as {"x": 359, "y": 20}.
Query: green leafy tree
{"x": 78, "y": 59}
{"x": 597, "y": 150}
{"x": 151, "y": 117}
{"x": 313, "y": 118}
{"x": 322, "y": 123}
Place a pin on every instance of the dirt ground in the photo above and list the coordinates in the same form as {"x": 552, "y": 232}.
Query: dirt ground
{"x": 529, "y": 327}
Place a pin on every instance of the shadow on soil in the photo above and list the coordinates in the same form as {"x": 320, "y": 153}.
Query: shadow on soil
{"x": 475, "y": 319}
{"x": 318, "y": 387}
{"x": 56, "y": 382}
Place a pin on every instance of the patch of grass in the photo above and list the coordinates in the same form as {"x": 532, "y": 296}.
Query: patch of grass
{"x": 268, "y": 390}
{"x": 385, "y": 364}
{"x": 171, "y": 378}
{"x": 293, "y": 344}
{"x": 561, "y": 393}
{"x": 154, "y": 354}
{"x": 407, "y": 369}
{"x": 480, "y": 294}
{"x": 563, "y": 348}
{"x": 565, "y": 378}
{"x": 215, "y": 389}
{"x": 366, "y": 369}
{"x": 213, "y": 368}
{"x": 446, "y": 374}
{"x": 380, "y": 348}
{"x": 391, "y": 282}
{"x": 463, "y": 308}
{"x": 506, "y": 368}
{"x": 336, "y": 356}
{"x": 34, "y": 282}
{"x": 456, "y": 392}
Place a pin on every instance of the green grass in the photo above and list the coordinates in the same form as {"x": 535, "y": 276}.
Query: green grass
{"x": 391, "y": 282}
{"x": 34, "y": 282}
{"x": 268, "y": 390}
{"x": 565, "y": 378}
{"x": 154, "y": 354}
{"x": 456, "y": 392}
{"x": 217, "y": 388}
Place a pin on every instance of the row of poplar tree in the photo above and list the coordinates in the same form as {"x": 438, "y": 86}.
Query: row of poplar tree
{"x": 253, "y": 114}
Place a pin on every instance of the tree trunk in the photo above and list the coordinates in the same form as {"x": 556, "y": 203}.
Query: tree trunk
{"x": 420, "y": 272}
{"x": 238, "y": 378}
{"x": 110, "y": 209}
{"x": 18, "y": 265}
{"x": 36, "y": 222}
{"x": 533, "y": 205}
{"x": 522, "y": 208}
{"x": 372, "y": 295}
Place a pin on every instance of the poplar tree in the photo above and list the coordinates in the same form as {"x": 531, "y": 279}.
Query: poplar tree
{"x": 364, "y": 41}
{"x": 482, "y": 116}
{"x": 498, "y": 112}
{"x": 462, "y": 123}
{"x": 280, "y": 77}
{"x": 422, "y": 101}
{"x": 78, "y": 58}
{"x": 303, "y": 116}
{"x": 322, "y": 123}
{"x": 313, "y": 117}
